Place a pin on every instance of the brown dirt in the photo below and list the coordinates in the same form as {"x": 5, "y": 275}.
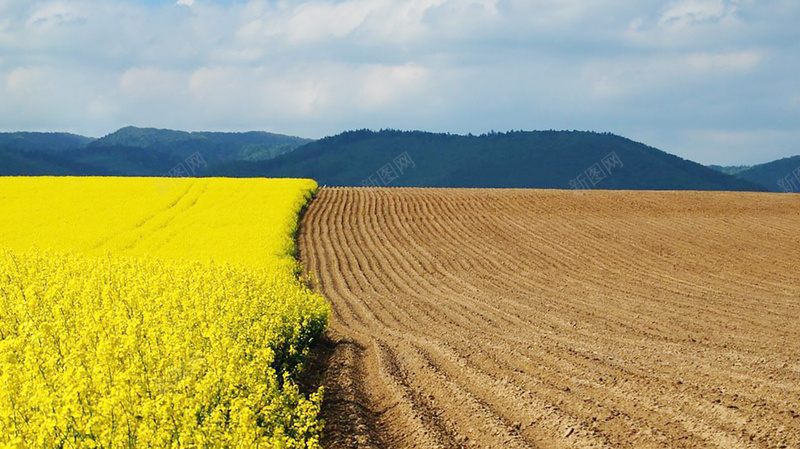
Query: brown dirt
{"x": 525, "y": 318}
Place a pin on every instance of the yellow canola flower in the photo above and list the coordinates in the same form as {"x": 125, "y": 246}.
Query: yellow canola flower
{"x": 131, "y": 318}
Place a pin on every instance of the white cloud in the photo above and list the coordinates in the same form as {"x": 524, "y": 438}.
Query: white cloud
{"x": 143, "y": 83}
{"x": 674, "y": 74}
{"x": 736, "y": 61}
{"x": 692, "y": 25}
{"x": 318, "y": 21}
{"x": 25, "y": 81}
{"x": 314, "y": 67}
{"x": 311, "y": 92}
{"x": 687, "y": 12}
{"x": 51, "y": 15}
{"x": 383, "y": 85}
{"x": 321, "y": 22}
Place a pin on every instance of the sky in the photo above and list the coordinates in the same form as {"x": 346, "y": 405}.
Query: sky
{"x": 714, "y": 81}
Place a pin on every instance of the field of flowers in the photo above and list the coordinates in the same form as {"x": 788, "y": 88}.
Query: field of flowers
{"x": 131, "y": 316}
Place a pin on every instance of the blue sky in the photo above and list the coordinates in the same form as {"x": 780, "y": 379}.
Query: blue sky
{"x": 716, "y": 81}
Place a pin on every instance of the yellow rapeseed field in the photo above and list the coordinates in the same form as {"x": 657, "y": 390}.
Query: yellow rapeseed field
{"x": 137, "y": 316}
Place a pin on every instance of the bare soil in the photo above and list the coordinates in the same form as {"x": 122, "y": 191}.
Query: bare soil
{"x": 529, "y": 318}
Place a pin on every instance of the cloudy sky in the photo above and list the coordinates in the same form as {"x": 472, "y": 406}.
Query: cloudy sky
{"x": 716, "y": 81}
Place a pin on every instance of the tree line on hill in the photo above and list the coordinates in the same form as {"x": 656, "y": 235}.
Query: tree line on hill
{"x": 518, "y": 159}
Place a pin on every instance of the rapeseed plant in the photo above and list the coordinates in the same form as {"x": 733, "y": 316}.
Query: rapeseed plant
{"x": 131, "y": 319}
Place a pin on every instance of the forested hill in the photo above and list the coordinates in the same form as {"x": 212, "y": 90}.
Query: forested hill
{"x": 780, "y": 176}
{"x": 535, "y": 159}
{"x": 538, "y": 159}
{"x": 217, "y": 146}
{"x": 134, "y": 151}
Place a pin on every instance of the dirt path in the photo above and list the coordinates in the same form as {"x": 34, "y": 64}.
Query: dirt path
{"x": 525, "y": 318}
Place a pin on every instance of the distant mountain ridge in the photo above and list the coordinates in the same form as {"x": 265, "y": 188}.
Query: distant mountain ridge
{"x": 133, "y": 151}
{"x": 51, "y": 143}
{"x": 525, "y": 159}
{"x": 778, "y": 176}
{"x": 248, "y": 146}
{"x": 732, "y": 170}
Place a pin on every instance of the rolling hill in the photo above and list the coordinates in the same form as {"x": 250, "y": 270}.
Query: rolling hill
{"x": 248, "y": 146}
{"x": 51, "y": 143}
{"x": 539, "y": 159}
{"x": 34, "y": 163}
{"x": 133, "y": 151}
{"x": 536, "y": 159}
{"x": 27, "y": 153}
{"x": 768, "y": 175}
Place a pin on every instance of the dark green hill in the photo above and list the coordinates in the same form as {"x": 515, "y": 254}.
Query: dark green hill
{"x": 32, "y": 163}
{"x": 52, "y": 143}
{"x": 26, "y": 153}
{"x": 539, "y": 159}
{"x": 133, "y": 151}
{"x": 125, "y": 161}
{"x": 543, "y": 159}
{"x": 214, "y": 146}
{"x": 131, "y": 136}
{"x": 768, "y": 175}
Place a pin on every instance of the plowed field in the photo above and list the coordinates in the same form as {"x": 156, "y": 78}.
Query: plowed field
{"x": 525, "y": 318}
